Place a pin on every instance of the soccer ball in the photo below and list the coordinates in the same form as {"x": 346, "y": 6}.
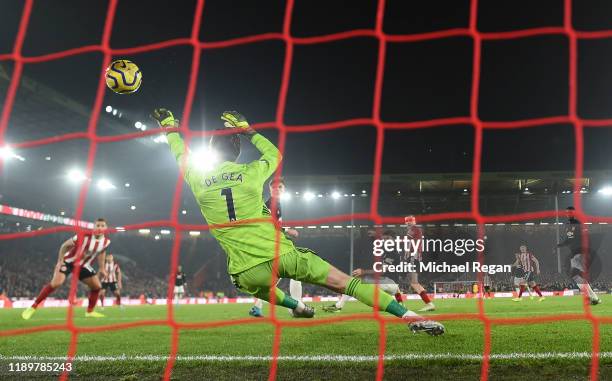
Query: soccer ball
{"x": 123, "y": 77}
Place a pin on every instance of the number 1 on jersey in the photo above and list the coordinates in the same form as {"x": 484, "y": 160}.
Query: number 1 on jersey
{"x": 229, "y": 199}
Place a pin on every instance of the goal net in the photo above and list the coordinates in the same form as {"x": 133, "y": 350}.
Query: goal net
{"x": 93, "y": 139}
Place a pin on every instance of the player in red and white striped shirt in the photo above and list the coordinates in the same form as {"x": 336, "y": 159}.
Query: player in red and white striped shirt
{"x": 415, "y": 234}
{"x": 84, "y": 249}
{"x": 530, "y": 265}
{"x": 112, "y": 280}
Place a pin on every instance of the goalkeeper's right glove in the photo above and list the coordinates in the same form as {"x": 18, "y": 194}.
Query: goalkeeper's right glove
{"x": 165, "y": 118}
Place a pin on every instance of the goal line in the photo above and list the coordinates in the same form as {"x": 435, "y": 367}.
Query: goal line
{"x": 318, "y": 358}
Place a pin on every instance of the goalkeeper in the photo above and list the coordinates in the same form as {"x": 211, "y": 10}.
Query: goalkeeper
{"x": 233, "y": 192}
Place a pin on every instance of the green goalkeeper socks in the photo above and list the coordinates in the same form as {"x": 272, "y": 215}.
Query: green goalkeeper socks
{"x": 396, "y": 309}
{"x": 365, "y": 294}
{"x": 289, "y": 302}
{"x": 281, "y": 299}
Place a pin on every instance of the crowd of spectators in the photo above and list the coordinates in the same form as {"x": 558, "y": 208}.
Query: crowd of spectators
{"x": 22, "y": 276}
{"x": 553, "y": 281}
{"x": 548, "y": 281}
{"x": 27, "y": 264}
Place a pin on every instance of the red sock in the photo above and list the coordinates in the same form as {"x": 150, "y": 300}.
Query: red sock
{"x": 398, "y": 297}
{"x": 101, "y": 300}
{"x": 93, "y": 298}
{"x": 118, "y": 300}
{"x": 425, "y": 297}
{"x": 536, "y": 288}
{"x": 521, "y": 291}
{"x": 43, "y": 295}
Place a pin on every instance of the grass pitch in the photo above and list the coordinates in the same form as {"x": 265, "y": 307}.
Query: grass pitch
{"x": 558, "y": 350}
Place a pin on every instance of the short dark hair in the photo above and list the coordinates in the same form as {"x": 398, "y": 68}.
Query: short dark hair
{"x": 570, "y": 208}
{"x": 281, "y": 180}
{"x": 227, "y": 146}
{"x": 101, "y": 220}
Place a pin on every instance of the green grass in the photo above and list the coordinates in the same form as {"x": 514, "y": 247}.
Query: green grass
{"x": 345, "y": 338}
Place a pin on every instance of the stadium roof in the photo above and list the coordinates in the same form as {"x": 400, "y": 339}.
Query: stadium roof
{"x": 490, "y": 182}
{"x": 40, "y": 111}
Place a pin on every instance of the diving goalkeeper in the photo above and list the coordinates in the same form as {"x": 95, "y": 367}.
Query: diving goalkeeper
{"x": 233, "y": 192}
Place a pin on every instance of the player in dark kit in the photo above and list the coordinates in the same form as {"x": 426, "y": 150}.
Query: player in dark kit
{"x": 390, "y": 281}
{"x": 295, "y": 287}
{"x": 387, "y": 281}
{"x": 83, "y": 249}
{"x": 487, "y": 284}
{"x": 112, "y": 280}
{"x": 579, "y": 259}
{"x": 179, "y": 284}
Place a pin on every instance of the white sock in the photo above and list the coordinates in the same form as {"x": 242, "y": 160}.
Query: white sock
{"x": 300, "y": 307}
{"x": 259, "y": 303}
{"x": 587, "y": 287}
{"x": 343, "y": 299}
{"x": 295, "y": 289}
{"x": 529, "y": 290}
{"x": 410, "y": 314}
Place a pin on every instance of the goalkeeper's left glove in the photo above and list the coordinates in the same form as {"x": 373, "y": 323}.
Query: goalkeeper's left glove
{"x": 165, "y": 118}
{"x": 233, "y": 119}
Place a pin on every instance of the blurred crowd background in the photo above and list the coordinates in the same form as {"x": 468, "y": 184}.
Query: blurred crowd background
{"x": 27, "y": 264}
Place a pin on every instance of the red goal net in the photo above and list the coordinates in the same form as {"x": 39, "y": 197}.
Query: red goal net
{"x": 474, "y": 214}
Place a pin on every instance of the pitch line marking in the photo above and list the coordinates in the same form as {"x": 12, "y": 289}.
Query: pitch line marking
{"x": 429, "y": 315}
{"x": 318, "y": 358}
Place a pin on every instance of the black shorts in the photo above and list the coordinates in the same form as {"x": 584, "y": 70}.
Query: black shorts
{"x": 86, "y": 272}
{"x": 109, "y": 286}
{"x": 576, "y": 267}
{"x": 413, "y": 276}
{"x": 530, "y": 276}
{"x": 518, "y": 272}
{"x": 487, "y": 288}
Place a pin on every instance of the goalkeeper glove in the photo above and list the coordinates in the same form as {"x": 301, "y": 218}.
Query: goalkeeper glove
{"x": 234, "y": 119}
{"x": 165, "y": 118}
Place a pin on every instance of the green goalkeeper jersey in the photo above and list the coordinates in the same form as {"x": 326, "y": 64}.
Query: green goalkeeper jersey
{"x": 234, "y": 192}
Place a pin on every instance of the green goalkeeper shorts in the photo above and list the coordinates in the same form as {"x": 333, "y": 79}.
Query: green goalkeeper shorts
{"x": 300, "y": 264}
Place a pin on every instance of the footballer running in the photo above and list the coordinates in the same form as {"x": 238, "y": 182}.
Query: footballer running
{"x": 112, "y": 280}
{"x": 580, "y": 259}
{"x": 531, "y": 267}
{"x": 85, "y": 249}
{"x": 389, "y": 284}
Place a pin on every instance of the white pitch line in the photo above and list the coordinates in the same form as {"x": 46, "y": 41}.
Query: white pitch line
{"x": 318, "y": 358}
{"x": 429, "y": 315}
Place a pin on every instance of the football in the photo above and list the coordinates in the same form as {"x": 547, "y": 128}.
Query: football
{"x": 123, "y": 77}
